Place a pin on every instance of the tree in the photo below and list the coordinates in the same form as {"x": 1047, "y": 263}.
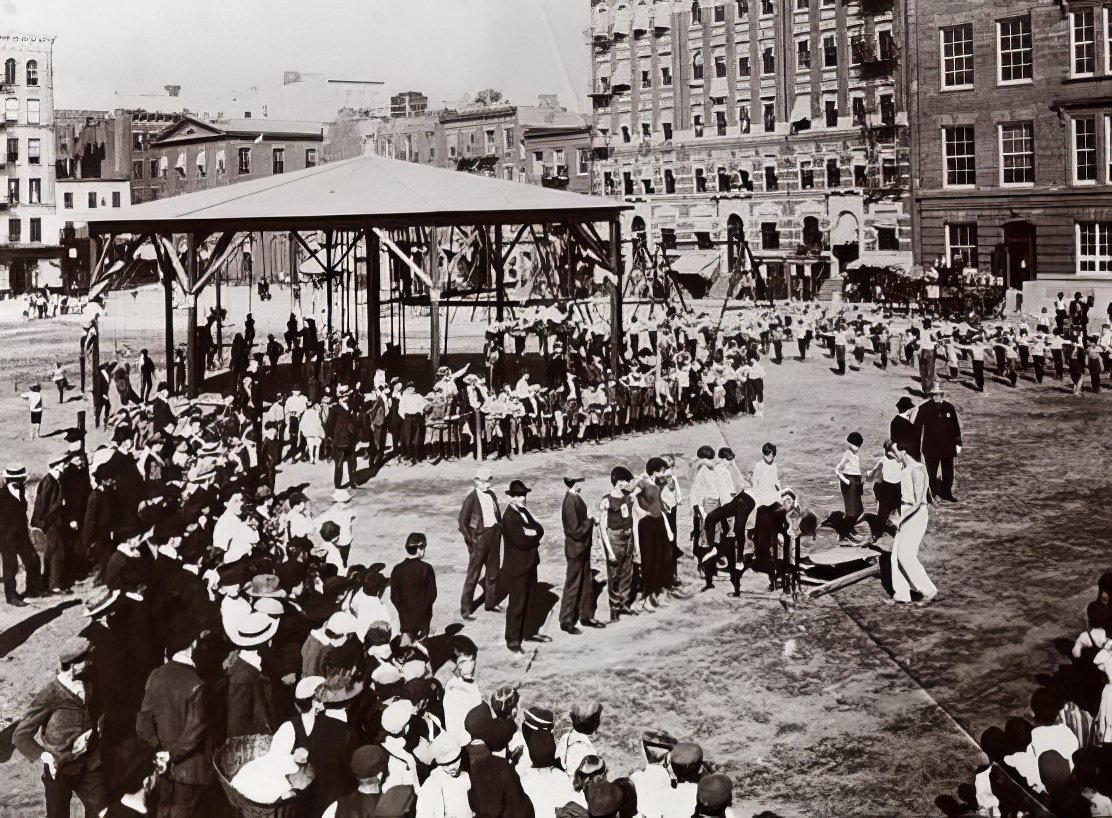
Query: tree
{"x": 488, "y": 97}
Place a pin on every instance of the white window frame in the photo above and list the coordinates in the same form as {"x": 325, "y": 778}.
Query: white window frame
{"x": 1000, "y": 51}
{"x": 1000, "y": 151}
{"x": 1074, "y": 151}
{"x": 1098, "y": 257}
{"x": 803, "y": 69}
{"x": 837, "y": 56}
{"x": 1108, "y": 148}
{"x": 946, "y": 161}
{"x": 942, "y": 58}
{"x": 34, "y": 114}
{"x": 950, "y": 247}
{"x": 1108, "y": 41}
{"x": 1074, "y": 43}
{"x": 582, "y": 162}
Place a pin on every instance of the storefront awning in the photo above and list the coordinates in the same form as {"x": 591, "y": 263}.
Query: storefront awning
{"x": 801, "y": 109}
{"x": 882, "y": 259}
{"x": 706, "y": 263}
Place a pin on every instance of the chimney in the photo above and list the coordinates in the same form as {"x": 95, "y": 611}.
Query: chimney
{"x": 172, "y": 90}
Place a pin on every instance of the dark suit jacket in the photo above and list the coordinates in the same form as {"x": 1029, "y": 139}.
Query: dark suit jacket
{"x": 906, "y": 433}
{"x": 940, "y": 428}
{"x": 577, "y": 526}
{"x": 413, "y": 592}
{"x": 251, "y": 708}
{"x": 496, "y": 790}
{"x": 54, "y": 720}
{"x": 13, "y": 522}
{"x": 340, "y": 427}
{"x": 520, "y": 553}
{"x": 48, "y": 504}
{"x": 471, "y": 516}
{"x": 173, "y": 717}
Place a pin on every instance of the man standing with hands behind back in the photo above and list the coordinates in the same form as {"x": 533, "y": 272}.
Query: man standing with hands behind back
{"x": 480, "y": 522}
{"x": 938, "y": 420}
{"x": 577, "y": 601}
{"x": 519, "y": 572}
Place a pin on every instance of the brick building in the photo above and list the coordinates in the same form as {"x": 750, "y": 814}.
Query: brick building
{"x": 192, "y": 155}
{"x": 98, "y": 145}
{"x": 1011, "y": 108}
{"x": 771, "y": 124}
{"x": 558, "y": 157}
{"x": 30, "y": 246}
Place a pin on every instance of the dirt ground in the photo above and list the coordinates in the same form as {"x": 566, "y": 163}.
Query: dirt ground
{"x": 847, "y": 706}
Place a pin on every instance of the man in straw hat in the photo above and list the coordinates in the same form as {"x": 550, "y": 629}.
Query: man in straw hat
{"x": 480, "y": 523}
{"x": 15, "y": 537}
{"x": 59, "y": 730}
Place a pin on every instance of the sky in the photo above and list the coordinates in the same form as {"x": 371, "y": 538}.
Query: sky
{"x": 445, "y": 48}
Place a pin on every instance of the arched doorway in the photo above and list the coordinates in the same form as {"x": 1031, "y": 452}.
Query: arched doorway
{"x": 1020, "y": 246}
{"x": 845, "y": 239}
{"x": 812, "y": 236}
{"x": 735, "y": 242}
{"x": 640, "y": 237}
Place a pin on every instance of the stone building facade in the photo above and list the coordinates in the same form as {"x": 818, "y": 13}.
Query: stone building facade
{"x": 770, "y": 128}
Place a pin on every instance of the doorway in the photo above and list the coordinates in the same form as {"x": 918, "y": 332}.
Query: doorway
{"x": 1019, "y": 244}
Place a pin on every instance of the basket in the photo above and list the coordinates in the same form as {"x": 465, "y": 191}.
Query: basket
{"x": 228, "y": 761}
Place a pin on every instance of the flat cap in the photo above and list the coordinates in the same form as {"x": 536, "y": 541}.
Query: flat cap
{"x": 603, "y": 799}
{"x": 368, "y": 760}
{"x": 76, "y": 648}
{"x": 686, "y": 754}
{"x": 715, "y": 791}
{"x": 396, "y": 802}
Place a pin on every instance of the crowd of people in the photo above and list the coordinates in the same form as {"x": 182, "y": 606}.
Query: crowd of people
{"x": 233, "y": 654}
{"x": 1059, "y": 757}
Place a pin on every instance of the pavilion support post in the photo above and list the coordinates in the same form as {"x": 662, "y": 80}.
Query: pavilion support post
{"x": 94, "y": 382}
{"x": 434, "y": 299}
{"x": 374, "y": 292}
{"x": 219, "y": 317}
{"x": 616, "y": 296}
{"x": 499, "y": 275}
{"x": 195, "y": 365}
{"x": 328, "y": 286}
{"x": 168, "y": 294}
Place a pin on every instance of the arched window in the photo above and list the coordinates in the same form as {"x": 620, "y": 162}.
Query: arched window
{"x": 32, "y": 72}
{"x": 697, "y": 65}
{"x": 9, "y": 71}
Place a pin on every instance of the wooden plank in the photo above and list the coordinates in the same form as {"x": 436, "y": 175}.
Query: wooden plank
{"x": 406, "y": 259}
{"x": 843, "y": 582}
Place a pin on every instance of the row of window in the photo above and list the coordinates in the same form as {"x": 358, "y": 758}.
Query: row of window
{"x": 93, "y": 199}
{"x": 859, "y": 51}
{"x": 559, "y": 159}
{"x": 1092, "y": 245}
{"x": 1091, "y": 152}
{"x": 767, "y": 8}
{"x": 11, "y": 110}
{"x": 830, "y": 114}
{"x": 1015, "y": 49}
{"x": 11, "y": 72}
{"x": 34, "y": 191}
{"x": 159, "y": 168}
{"x": 34, "y": 151}
{"x": 490, "y": 141}
{"x": 15, "y": 230}
{"x": 809, "y": 177}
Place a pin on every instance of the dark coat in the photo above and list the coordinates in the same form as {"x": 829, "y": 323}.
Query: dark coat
{"x": 340, "y": 427}
{"x": 413, "y": 592}
{"x": 471, "y": 516}
{"x": 520, "y": 555}
{"x": 577, "y": 526}
{"x": 941, "y": 432}
{"x": 496, "y": 790}
{"x": 47, "y": 512}
{"x": 251, "y": 706}
{"x": 907, "y": 434}
{"x": 174, "y": 718}
{"x": 330, "y": 747}
{"x": 14, "y": 533}
{"x": 54, "y": 720}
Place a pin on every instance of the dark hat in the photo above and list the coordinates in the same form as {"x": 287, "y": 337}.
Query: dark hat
{"x": 855, "y": 439}
{"x": 538, "y": 718}
{"x": 329, "y": 531}
{"x": 74, "y": 435}
{"x": 517, "y": 489}
{"x": 234, "y": 573}
{"x": 660, "y": 739}
{"x": 396, "y": 802}
{"x": 499, "y": 734}
{"x": 620, "y": 473}
{"x": 603, "y": 799}
{"x": 571, "y": 481}
{"x": 904, "y": 403}
{"x": 475, "y": 722}
{"x": 368, "y": 760}
{"x": 715, "y": 791}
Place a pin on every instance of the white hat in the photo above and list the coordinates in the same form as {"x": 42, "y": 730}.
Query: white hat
{"x": 341, "y": 623}
{"x": 445, "y": 749}
{"x": 396, "y": 716}
{"x": 308, "y": 687}
{"x": 484, "y": 473}
{"x": 386, "y": 674}
{"x": 413, "y": 669}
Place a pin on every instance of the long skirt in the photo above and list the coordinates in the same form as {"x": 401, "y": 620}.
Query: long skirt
{"x": 652, "y": 536}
